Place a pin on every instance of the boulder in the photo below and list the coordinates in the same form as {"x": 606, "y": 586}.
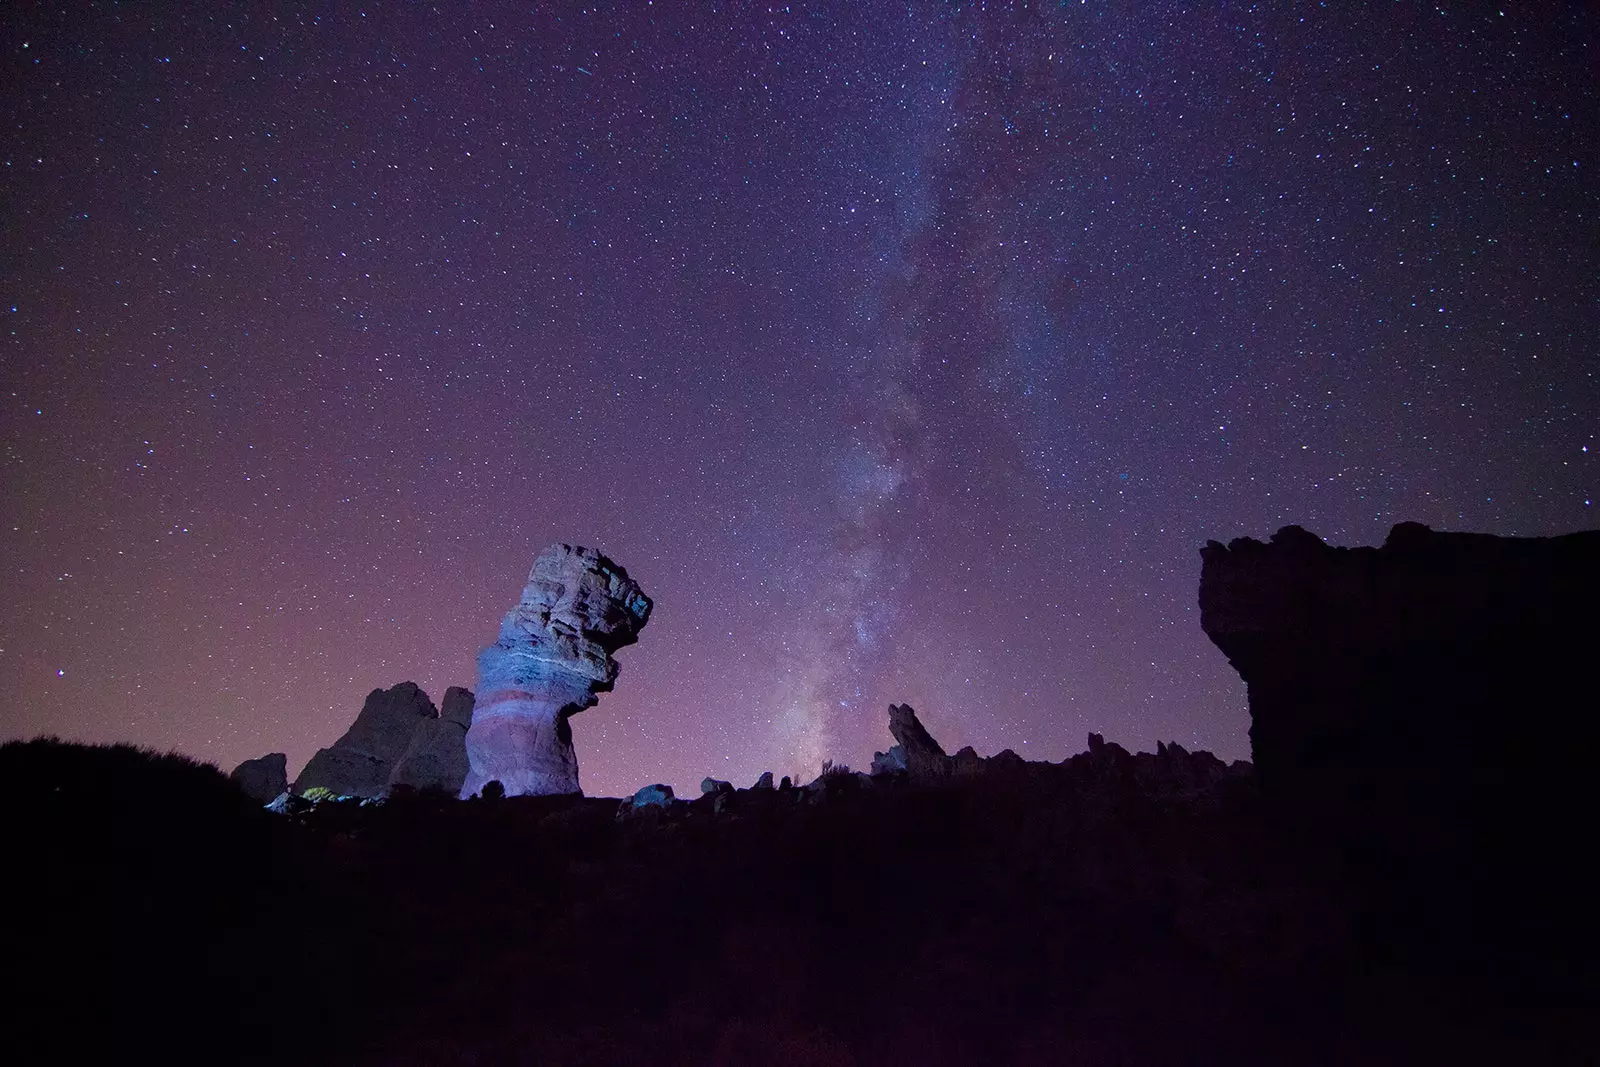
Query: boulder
{"x": 658, "y": 795}
{"x": 287, "y": 803}
{"x": 714, "y": 785}
{"x": 264, "y": 778}
{"x": 551, "y": 660}
{"x": 890, "y": 762}
{"x": 764, "y": 782}
{"x": 360, "y": 762}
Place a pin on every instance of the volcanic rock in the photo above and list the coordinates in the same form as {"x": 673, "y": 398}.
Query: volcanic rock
{"x": 552, "y": 658}
{"x": 1423, "y": 706}
{"x": 890, "y": 762}
{"x": 359, "y": 763}
{"x": 658, "y": 795}
{"x": 457, "y": 706}
{"x": 264, "y": 778}
{"x": 966, "y": 762}
{"x": 924, "y": 758}
{"x": 1377, "y": 676}
{"x": 436, "y": 759}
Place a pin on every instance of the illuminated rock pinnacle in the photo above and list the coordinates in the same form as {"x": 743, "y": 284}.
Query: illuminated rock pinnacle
{"x": 551, "y": 660}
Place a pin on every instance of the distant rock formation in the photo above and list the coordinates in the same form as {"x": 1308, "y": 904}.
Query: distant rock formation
{"x": 359, "y": 763}
{"x": 967, "y": 761}
{"x": 436, "y": 758}
{"x": 1169, "y": 771}
{"x": 264, "y": 778}
{"x": 922, "y": 755}
{"x": 551, "y": 660}
{"x": 1424, "y": 705}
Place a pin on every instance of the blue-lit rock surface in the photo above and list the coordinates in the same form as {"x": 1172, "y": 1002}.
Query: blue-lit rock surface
{"x": 552, "y": 659}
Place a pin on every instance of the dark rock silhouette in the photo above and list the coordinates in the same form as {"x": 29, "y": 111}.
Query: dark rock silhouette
{"x": 436, "y": 758}
{"x": 1427, "y": 709}
{"x": 264, "y": 778}
{"x": 360, "y": 762}
{"x": 923, "y": 757}
{"x": 551, "y": 660}
{"x": 967, "y": 761}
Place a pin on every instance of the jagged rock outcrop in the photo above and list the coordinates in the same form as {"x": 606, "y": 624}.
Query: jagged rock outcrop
{"x": 264, "y": 778}
{"x": 651, "y": 799}
{"x": 890, "y": 762}
{"x": 359, "y": 763}
{"x": 551, "y": 660}
{"x": 436, "y": 759}
{"x": 924, "y": 758}
{"x": 1423, "y": 705}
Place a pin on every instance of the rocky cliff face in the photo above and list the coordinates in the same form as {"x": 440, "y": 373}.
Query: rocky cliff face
{"x": 436, "y": 758}
{"x": 552, "y": 659}
{"x": 263, "y": 778}
{"x": 359, "y": 763}
{"x": 1428, "y": 706}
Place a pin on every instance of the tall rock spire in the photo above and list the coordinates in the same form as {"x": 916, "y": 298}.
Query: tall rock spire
{"x": 552, "y": 659}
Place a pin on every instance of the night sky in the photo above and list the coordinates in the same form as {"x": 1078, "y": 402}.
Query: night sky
{"x": 902, "y": 353}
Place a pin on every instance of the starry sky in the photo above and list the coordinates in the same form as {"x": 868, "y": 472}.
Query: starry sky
{"x": 901, "y": 352}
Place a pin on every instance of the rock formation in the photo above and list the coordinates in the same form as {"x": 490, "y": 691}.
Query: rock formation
{"x": 359, "y": 763}
{"x": 551, "y": 660}
{"x": 1390, "y": 673}
{"x": 657, "y": 795}
{"x": 264, "y": 778}
{"x": 1423, "y": 706}
{"x": 922, "y": 755}
{"x": 890, "y": 762}
{"x": 436, "y": 759}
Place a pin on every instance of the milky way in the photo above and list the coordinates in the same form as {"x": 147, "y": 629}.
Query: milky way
{"x": 901, "y": 355}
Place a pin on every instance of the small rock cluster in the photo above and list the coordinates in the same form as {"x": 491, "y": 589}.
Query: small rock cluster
{"x": 917, "y": 759}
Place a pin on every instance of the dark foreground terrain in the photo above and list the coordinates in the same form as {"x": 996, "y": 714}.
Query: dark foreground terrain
{"x": 1404, "y": 875}
{"x": 1110, "y": 909}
